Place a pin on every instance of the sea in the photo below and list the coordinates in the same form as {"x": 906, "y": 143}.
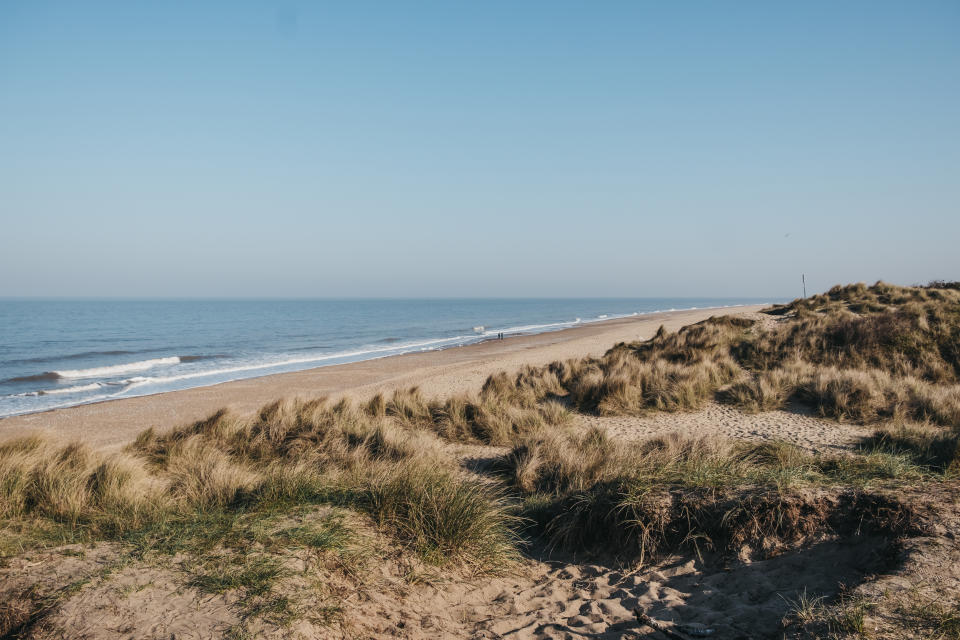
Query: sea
{"x": 60, "y": 353}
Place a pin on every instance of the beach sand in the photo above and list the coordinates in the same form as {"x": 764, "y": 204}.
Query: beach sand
{"x": 437, "y": 373}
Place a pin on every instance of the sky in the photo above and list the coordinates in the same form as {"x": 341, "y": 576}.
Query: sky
{"x": 251, "y": 149}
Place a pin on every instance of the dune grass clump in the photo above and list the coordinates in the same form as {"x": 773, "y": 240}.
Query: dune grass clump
{"x": 622, "y": 384}
{"x": 188, "y": 488}
{"x": 374, "y": 459}
{"x": 917, "y": 339}
{"x": 637, "y": 521}
{"x": 443, "y": 516}
{"x": 926, "y": 446}
{"x": 502, "y": 411}
{"x": 863, "y": 353}
{"x": 673, "y": 492}
{"x": 670, "y": 372}
{"x": 77, "y": 488}
{"x": 766, "y": 391}
{"x": 871, "y": 395}
{"x": 558, "y": 463}
{"x": 298, "y": 432}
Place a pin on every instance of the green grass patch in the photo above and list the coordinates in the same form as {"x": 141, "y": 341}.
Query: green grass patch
{"x": 330, "y": 534}
{"x": 254, "y": 574}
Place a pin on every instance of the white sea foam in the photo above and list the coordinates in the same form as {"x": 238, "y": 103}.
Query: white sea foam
{"x": 118, "y": 369}
{"x": 74, "y": 403}
{"x": 606, "y": 317}
{"x": 56, "y": 392}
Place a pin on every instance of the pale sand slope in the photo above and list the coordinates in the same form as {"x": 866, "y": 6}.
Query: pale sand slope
{"x": 437, "y": 373}
{"x": 797, "y": 426}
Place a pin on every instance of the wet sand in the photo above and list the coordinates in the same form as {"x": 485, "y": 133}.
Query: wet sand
{"x": 116, "y": 422}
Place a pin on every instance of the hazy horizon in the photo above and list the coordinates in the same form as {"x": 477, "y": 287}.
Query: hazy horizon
{"x": 358, "y": 298}
{"x": 282, "y": 150}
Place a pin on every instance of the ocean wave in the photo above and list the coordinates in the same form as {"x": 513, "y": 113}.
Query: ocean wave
{"x": 49, "y": 375}
{"x": 117, "y": 369}
{"x": 56, "y": 392}
{"x": 72, "y": 403}
{"x": 111, "y": 370}
{"x": 73, "y": 356}
{"x": 616, "y": 316}
{"x": 214, "y": 356}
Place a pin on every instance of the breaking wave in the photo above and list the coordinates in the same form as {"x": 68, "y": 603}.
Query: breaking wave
{"x": 117, "y": 369}
{"x": 110, "y": 370}
{"x": 56, "y": 392}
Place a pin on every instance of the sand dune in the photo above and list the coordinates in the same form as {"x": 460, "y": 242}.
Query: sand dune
{"x": 376, "y": 588}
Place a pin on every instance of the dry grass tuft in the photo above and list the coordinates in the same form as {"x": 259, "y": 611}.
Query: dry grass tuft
{"x": 178, "y": 489}
{"x": 76, "y": 487}
{"x": 444, "y": 517}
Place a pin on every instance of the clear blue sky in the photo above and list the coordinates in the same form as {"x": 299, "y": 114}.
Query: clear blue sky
{"x": 476, "y": 148}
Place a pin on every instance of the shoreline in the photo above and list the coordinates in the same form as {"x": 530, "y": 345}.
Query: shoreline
{"x": 112, "y": 423}
{"x": 115, "y": 381}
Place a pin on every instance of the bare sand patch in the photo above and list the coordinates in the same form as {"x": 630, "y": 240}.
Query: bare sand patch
{"x": 721, "y": 599}
{"x": 797, "y": 426}
{"x": 561, "y": 598}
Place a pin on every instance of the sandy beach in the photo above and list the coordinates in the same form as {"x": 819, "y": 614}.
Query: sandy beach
{"x": 762, "y": 483}
{"x": 436, "y": 373}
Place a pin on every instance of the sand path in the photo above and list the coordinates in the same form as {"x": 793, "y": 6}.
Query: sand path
{"x": 553, "y": 599}
{"x": 738, "y": 600}
{"x": 797, "y": 425}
